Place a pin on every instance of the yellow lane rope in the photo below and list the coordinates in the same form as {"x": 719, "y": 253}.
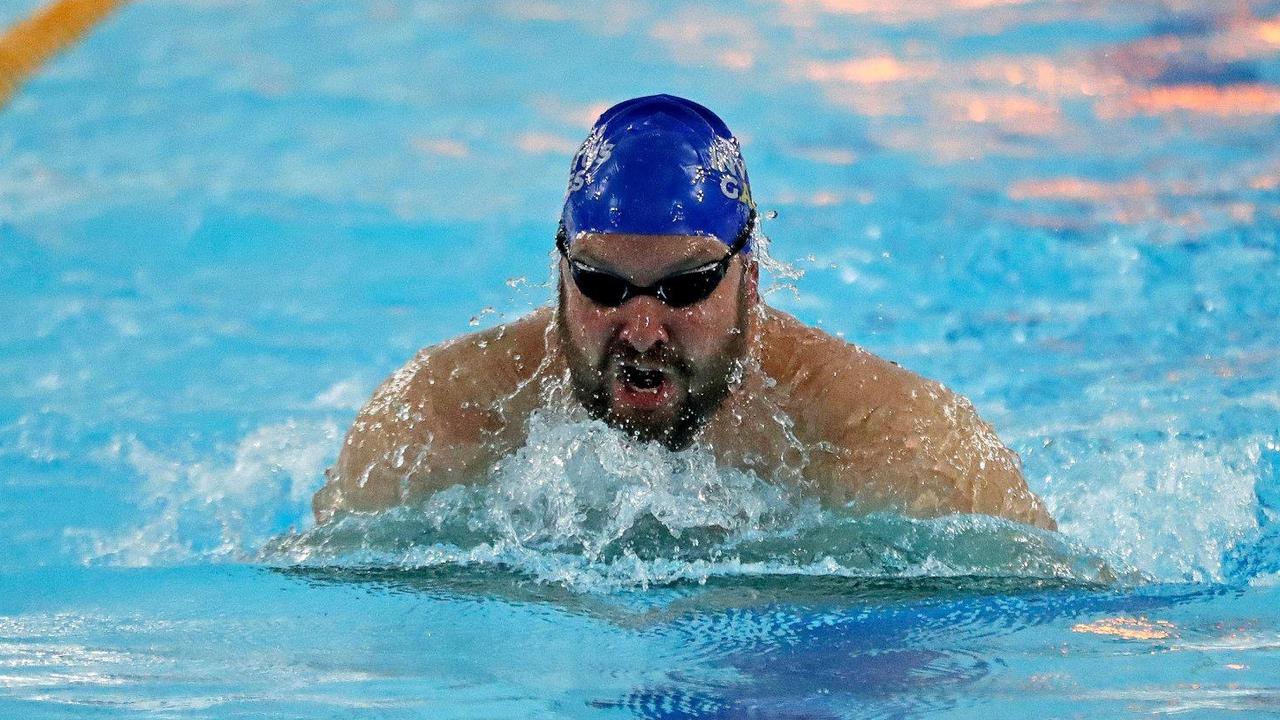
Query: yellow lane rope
{"x": 31, "y": 42}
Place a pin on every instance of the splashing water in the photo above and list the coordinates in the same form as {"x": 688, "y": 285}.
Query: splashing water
{"x": 211, "y": 511}
{"x": 584, "y": 505}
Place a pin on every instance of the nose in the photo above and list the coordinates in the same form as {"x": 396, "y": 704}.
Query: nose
{"x": 642, "y": 325}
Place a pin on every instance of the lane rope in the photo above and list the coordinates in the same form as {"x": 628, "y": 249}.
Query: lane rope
{"x": 31, "y": 42}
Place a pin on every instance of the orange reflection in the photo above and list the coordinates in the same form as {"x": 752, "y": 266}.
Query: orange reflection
{"x": 1016, "y": 114}
{"x": 582, "y": 115}
{"x": 1242, "y": 212}
{"x": 535, "y": 143}
{"x": 900, "y": 12}
{"x": 867, "y": 71}
{"x": 1265, "y": 182}
{"x": 1074, "y": 188}
{"x": 736, "y": 60}
{"x": 443, "y": 147}
{"x": 1269, "y": 31}
{"x": 1129, "y": 628}
{"x": 867, "y": 103}
{"x": 825, "y": 198}
{"x": 1241, "y": 100}
{"x": 826, "y": 155}
{"x": 693, "y": 36}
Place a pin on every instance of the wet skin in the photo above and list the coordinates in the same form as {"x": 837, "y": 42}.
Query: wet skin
{"x": 753, "y": 385}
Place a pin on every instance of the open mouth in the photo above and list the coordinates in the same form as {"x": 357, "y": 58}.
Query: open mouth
{"x": 643, "y": 388}
{"x": 640, "y": 378}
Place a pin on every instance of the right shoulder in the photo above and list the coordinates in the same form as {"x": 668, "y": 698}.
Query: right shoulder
{"x": 437, "y": 415}
{"x": 460, "y": 377}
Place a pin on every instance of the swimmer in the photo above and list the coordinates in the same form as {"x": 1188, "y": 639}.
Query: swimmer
{"x": 659, "y": 331}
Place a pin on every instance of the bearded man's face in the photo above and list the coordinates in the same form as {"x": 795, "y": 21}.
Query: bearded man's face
{"x": 655, "y": 371}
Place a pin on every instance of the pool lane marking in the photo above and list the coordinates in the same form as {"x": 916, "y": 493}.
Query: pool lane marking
{"x": 32, "y": 41}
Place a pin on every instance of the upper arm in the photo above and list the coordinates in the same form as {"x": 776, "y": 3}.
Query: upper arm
{"x": 380, "y": 438}
{"x": 436, "y": 421}
{"x": 408, "y": 439}
{"x": 953, "y": 461}
{"x": 911, "y": 443}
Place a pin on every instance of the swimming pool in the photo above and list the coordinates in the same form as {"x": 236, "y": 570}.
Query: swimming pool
{"x": 222, "y": 224}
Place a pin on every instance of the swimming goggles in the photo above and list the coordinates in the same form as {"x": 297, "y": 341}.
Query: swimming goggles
{"x": 679, "y": 290}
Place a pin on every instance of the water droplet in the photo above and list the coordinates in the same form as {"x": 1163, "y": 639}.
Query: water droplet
{"x": 771, "y": 214}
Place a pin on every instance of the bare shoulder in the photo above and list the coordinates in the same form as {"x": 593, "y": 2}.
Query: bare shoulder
{"x": 829, "y": 386}
{"x": 433, "y": 420}
{"x": 892, "y": 437}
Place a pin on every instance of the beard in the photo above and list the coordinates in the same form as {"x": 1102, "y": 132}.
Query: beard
{"x": 701, "y": 386}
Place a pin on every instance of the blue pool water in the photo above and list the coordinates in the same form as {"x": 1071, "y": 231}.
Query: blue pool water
{"x": 221, "y": 224}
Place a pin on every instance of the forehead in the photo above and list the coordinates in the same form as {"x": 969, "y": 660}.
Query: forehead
{"x": 640, "y": 253}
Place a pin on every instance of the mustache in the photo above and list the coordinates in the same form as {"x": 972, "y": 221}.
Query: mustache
{"x": 660, "y": 355}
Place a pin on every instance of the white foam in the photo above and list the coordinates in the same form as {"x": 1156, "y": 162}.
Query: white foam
{"x": 349, "y": 394}
{"x": 1170, "y": 508}
{"x": 212, "y": 509}
{"x": 588, "y": 507}
{"x": 585, "y": 506}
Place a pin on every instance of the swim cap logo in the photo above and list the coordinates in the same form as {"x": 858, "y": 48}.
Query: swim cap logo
{"x": 595, "y": 151}
{"x": 658, "y": 165}
{"x": 726, "y": 159}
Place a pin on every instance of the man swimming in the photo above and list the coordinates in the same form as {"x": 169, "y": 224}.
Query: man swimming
{"x": 659, "y": 331}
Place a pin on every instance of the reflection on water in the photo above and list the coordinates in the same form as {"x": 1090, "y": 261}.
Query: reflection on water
{"x": 221, "y": 224}
{"x": 822, "y": 646}
{"x": 642, "y": 608}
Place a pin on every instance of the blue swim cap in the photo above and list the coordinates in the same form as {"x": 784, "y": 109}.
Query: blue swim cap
{"x": 658, "y": 165}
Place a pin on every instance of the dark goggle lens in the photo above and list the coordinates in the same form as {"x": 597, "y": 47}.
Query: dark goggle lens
{"x": 600, "y": 287}
{"x": 691, "y": 287}
{"x": 678, "y": 291}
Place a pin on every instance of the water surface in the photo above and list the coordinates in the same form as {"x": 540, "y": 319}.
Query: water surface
{"x": 222, "y": 224}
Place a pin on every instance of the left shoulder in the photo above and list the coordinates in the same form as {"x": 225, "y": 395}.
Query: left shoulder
{"x": 892, "y": 437}
{"x": 832, "y": 387}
